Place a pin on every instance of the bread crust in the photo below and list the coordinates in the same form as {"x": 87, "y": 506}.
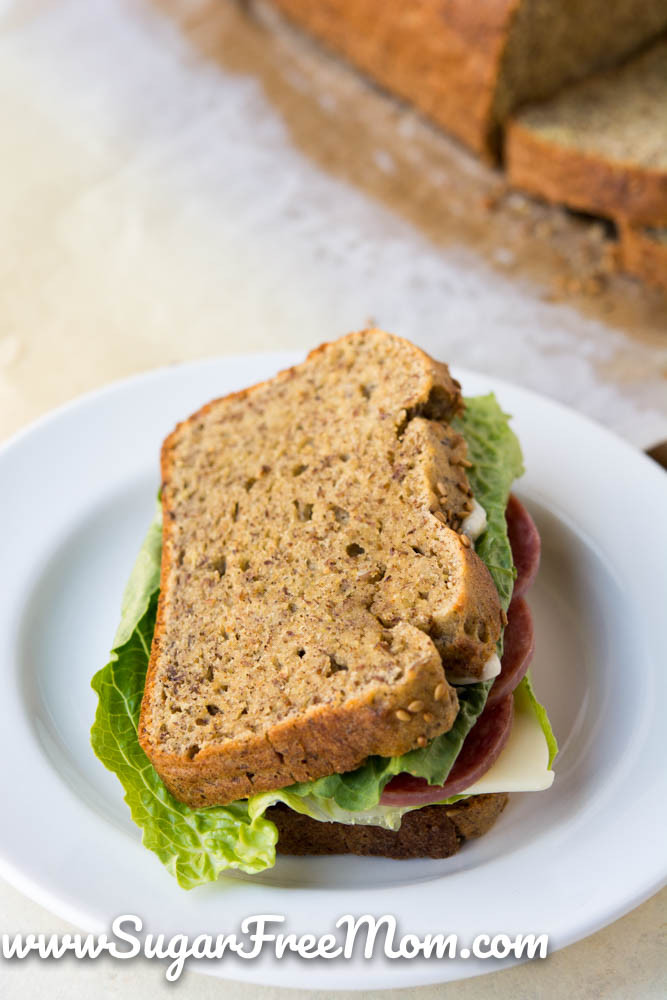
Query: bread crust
{"x": 643, "y": 255}
{"x": 431, "y": 832}
{"x": 325, "y": 739}
{"x": 442, "y": 57}
{"x": 564, "y": 175}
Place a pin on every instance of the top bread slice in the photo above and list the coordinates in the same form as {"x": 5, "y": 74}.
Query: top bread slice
{"x": 468, "y": 65}
{"x": 601, "y": 145}
{"x": 314, "y": 586}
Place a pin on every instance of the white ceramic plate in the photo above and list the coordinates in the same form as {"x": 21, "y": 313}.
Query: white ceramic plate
{"x": 77, "y": 493}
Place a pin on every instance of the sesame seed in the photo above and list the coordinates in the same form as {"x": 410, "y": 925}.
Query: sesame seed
{"x": 440, "y": 516}
{"x": 441, "y": 488}
{"x": 415, "y": 706}
{"x": 402, "y": 715}
{"x": 422, "y": 741}
{"x": 440, "y": 692}
{"x": 428, "y": 717}
{"x": 465, "y": 541}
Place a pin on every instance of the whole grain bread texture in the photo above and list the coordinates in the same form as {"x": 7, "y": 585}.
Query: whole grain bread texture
{"x": 468, "y": 65}
{"x": 315, "y": 587}
{"x": 644, "y": 253}
{"x": 601, "y": 145}
{"x": 431, "y": 832}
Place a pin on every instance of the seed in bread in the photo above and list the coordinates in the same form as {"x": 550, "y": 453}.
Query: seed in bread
{"x": 309, "y": 595}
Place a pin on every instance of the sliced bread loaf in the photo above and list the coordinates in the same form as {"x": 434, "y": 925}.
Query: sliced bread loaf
{"x": 466, "y": 64}
{"x": 644, "y": 253}
{"x": 314, "y": 586}
{"x": 601, "y": 145}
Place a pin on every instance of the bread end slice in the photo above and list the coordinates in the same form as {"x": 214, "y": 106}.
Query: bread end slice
{"x": 600, "y": 146}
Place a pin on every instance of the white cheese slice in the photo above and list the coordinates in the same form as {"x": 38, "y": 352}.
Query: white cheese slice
{"x": 475, "y": 523}
{"x": 523, "y": 766}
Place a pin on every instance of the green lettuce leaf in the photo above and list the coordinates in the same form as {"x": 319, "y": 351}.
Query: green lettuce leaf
{"x": 495, "y": 453}
{"x": 195, "y": 845}
{"x": 540, "y": 711}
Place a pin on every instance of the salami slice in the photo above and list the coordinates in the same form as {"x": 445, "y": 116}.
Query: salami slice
{"x": 518, "y": 648}
{"x": 480, "y": 750}
{"x": 525, "y": 542}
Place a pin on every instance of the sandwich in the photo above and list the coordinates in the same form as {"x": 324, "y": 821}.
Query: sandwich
{"x": 324, "y": 641}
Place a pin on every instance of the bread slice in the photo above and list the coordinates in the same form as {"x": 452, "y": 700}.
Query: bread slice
{"x": 468, "y": 65}
{"x": 644, "y": 253}
{"x": 431, "y": 832}
{"x": 601, "y": 145}
{"x": 314, "y": 588}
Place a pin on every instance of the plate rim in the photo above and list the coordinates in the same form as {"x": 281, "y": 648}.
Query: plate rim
{"x": 67, "y": 909}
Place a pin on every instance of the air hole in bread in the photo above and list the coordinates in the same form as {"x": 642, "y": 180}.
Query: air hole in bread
{"x": 212, "y": 709}
{"x": 299, "y": 469}
{"x": 387, "y": 623}
{"x": 192, "y": 751}
{"x": 436, "y": 407}
{"x": 249, "y": 483}
{"x": 301, "y": 653}
{"x": 354, "y": 550}
{"x": 373, "y": 575}
{"x": 304, "y": 511}
{"x": 244, "y": 565}
{"x": 235, "y": 511}
{"x": 366, "y": 390}
{"x": 334, "y": 666}
{"x": 341, "y": 515}
{"x": 220, "y": 565}
{"x": 417, "y": 550}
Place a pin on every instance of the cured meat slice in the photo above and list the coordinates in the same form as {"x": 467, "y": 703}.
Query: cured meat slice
{"x": 525, "y": 542}
{"x": 480, "y": 750}
{"x": 487, "y": 738}
{"x": 518, "y": 648}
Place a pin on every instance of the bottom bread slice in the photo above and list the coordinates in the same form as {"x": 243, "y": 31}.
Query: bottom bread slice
{"x": 430, "y": 832}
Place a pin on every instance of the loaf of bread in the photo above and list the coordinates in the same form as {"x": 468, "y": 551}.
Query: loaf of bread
{"x": 468, "y": 64}
{"x": 601, "y": 145}
{"x": 429, "y": 832}
{"x": 315, "y": 588}
{"x": 644, "y": 253}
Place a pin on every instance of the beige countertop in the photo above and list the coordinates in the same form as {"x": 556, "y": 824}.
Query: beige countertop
{"x": 186, "y": 179}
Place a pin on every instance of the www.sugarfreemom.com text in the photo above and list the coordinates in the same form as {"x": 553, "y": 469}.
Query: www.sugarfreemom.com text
{"x": 365, "y": 935}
